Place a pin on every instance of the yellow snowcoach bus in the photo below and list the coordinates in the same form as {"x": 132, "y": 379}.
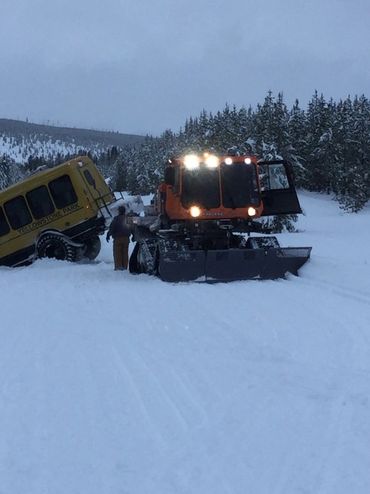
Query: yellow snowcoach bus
{"x": 56, "y": 212}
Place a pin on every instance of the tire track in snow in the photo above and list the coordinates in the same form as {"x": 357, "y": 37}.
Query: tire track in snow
{"x": 164, "y": 395}
{"x": 189, "y": 392}
{"x": 347, "y": 293}
{"x": 330, "y": 446}
{"x": 172, "y": 406}
{"x": 128, "y": 376}
{"x": 161, "y": 392}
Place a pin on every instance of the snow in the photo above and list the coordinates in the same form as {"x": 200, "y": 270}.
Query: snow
{"x": 20, "y": 148}
{"x": 113, "y": 383}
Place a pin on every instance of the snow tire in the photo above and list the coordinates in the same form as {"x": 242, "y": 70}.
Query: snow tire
{"x": 56, "y": 246}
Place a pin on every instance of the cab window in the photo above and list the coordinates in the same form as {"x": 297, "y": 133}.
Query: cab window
{"x": 4, "y": 227}
{"x": 273, "y": 177}
{"x": 17, "y": 212}
{"x": 201, "y": 187}
{"x": 40, "y": 202}
{"x": 62, "y": 191}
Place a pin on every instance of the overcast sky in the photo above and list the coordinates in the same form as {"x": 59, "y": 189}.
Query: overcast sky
{"x": 144, "y": 66}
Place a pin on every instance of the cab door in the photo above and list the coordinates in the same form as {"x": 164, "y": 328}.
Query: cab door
{"x": 278, "y": 192}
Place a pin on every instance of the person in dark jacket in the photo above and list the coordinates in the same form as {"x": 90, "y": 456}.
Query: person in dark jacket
{"x": 120, "y": 231}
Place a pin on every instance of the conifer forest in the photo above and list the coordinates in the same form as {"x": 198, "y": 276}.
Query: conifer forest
{"x": 328, "y": 143}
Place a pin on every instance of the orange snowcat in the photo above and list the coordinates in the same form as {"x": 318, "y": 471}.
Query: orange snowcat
{"x": 201, "y": 219}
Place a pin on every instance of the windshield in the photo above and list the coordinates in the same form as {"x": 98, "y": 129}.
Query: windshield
{"x": 239, "y": 185}
{"x": 201, "y": 188}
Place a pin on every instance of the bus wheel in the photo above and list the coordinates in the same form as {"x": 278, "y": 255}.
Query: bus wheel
{"x": 93, "y": 247}
{"x": 57, "y": 246}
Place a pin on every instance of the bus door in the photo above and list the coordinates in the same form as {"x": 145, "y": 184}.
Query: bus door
{"x": 98, "y": 191}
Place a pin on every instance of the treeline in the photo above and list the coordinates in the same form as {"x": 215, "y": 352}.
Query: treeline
{"x": 328, "y": 144}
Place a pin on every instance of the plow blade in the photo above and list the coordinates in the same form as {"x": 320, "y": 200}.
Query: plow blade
{"x": 237, "y": 264}
{"x": 182, "y": 266}
{"x": 231, "y": 264}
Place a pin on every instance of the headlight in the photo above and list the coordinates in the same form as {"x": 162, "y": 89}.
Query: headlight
{"x": 228, "y": 161}
{"x": 251, "y": 212}
{"x": 195, "y": 211}
{"x": 212, "y": 161}
{"x": 247, "y": 161}
{"x": 191, "y": 161}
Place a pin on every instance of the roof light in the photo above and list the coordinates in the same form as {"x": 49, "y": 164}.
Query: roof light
{"x": 228, "y": 161}
{"x": 247, "y": 161}
{"x": 251, "y": 211}
{"x": 191, "y": 161}
{"x": 212, "y": 161}
{"x": 194, "y": 211}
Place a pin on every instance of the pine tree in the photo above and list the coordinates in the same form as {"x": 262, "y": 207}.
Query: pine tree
{"x": 319, "y": 133}
{"x": 119, "y": 179}
{"x": 352, "y": 184}
{"x": 297, "y": 142}
{"x": 10, "y": 171}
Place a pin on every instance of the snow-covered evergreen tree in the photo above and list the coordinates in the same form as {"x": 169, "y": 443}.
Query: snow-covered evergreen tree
{"x": 10, "y": 172}
{"x": 297, "y": 142}
{"x": 328, "y": 145}
{"x": 352, "y": 174}
{"x": 318, "y": 137}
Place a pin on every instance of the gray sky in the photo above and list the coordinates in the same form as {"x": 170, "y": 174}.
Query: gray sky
{"x": 143, "y": 66}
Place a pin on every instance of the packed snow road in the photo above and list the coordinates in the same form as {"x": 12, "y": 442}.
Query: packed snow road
{"x": 112, "y": 383}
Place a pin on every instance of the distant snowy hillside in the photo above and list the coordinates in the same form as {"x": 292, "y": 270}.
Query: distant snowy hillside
{"x": 112, "y": 383}
{"x": 20, "y": 140}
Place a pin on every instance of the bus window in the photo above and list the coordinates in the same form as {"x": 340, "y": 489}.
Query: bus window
{"x": 17, "y": 212}
{"x": 40, "y": 202}
{"x": 62, "y": 191}
{"x": 4, "y": 227}
{"x": 90, "y": 179}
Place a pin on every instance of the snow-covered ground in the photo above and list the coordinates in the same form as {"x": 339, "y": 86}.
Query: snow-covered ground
{"x": 111, "y": 383}
{"x": 20, "y": 148}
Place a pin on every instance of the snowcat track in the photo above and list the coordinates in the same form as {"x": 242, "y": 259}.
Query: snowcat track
{"x": 231, "y": 264}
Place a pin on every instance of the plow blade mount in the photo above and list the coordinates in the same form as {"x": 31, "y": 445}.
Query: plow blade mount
{"x": 231, "y": 264}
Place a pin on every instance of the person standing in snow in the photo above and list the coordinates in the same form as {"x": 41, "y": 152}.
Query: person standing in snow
{"x": 120, "y": 231}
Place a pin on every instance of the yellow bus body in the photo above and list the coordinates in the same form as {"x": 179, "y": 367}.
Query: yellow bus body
{"x": 69, "y": 200}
